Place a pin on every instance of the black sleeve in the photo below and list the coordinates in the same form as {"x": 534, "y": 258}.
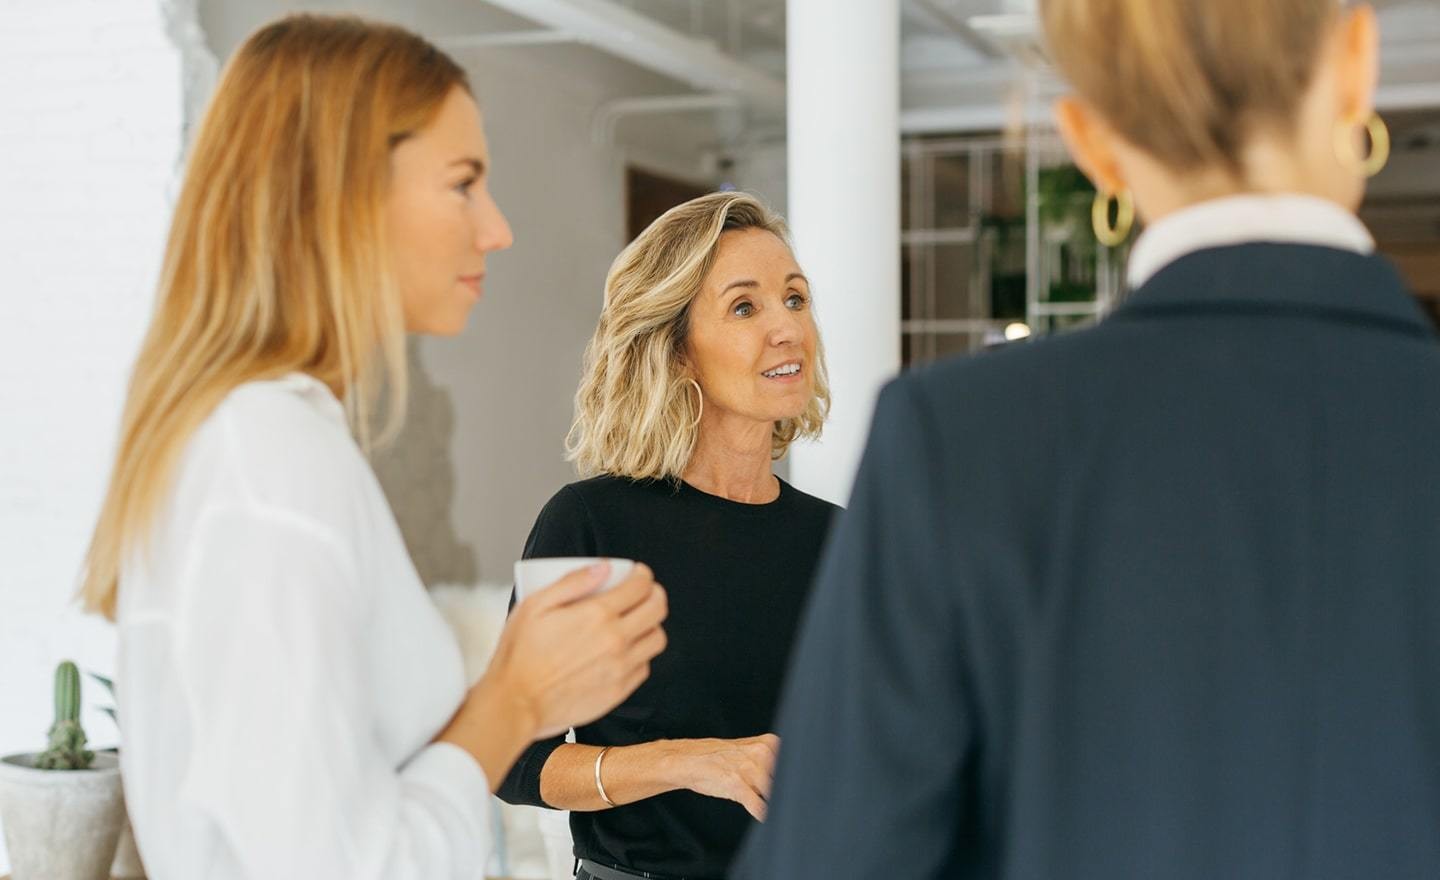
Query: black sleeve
{"x": 874, "y": 727}
{"x": 562, "y": 529}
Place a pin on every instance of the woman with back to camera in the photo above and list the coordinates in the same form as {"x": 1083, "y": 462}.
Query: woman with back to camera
{"x": 705, "y": 366}
{"x": 1158, "y": 598}
{"x": 292, "y": 703}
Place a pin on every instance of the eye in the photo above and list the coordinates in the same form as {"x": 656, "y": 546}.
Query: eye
{"x": 742, "y": 309}
{"x": 463, "y": 187}
{"x": 796, "y": 301}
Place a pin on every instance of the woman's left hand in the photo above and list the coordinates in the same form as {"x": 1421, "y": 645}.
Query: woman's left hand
{"x": 739, "y": 770}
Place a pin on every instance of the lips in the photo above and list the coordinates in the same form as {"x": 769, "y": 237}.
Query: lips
{"x": 786, "y": 370}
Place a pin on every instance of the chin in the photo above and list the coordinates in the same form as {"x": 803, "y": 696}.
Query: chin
{"x": 444, "y": 327}
{"x": 790, "y": 412}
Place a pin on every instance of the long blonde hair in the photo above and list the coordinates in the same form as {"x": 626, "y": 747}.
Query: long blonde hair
{"x": 275, "y": 261}
{"x": 636, "y": 413}
{"x": 1191, "y": 81}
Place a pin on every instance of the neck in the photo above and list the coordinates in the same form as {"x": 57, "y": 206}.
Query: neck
{"x": 732, "y": 460}
{"x": 1272, "y": 166}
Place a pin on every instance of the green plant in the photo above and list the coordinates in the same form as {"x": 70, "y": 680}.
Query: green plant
{"x": 67, "y": 738}
{"x": 1065, "y": 195}
{"x": 110, "y": 689}
{"x": 1006, "y": 236}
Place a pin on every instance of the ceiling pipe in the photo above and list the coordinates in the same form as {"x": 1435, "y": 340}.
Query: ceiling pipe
{"x": 509, "y": 38}
{"x": 609, "y": 114}
{"x": 967, "y": 119}
{"x": 641, "y": 40}
{"x": 1002, "y": 115}
{"x": 946, "y": 20}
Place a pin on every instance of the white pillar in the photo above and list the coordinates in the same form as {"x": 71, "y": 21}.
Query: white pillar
{"x": 843, "y": 123}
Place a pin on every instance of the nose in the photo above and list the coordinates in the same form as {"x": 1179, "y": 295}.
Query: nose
{"x": 492, "y": 230}
{"x": 786, "y": 328}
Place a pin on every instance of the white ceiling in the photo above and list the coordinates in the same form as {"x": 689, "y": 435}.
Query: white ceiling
{"x": 952, "y": 80}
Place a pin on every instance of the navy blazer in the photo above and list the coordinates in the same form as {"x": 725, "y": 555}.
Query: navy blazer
{"x": 1159, "y": 599}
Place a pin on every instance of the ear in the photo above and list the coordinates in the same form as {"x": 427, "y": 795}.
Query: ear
{"x": 1357, "y": 61}
{"x": 1089, "y": 142}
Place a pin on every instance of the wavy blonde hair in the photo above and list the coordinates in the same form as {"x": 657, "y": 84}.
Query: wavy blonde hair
{"x": 276, "y": 258}
{"x": 636, "y": 413}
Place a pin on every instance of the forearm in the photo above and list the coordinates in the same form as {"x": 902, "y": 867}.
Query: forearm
{"x": 494, "y": 726}
{"x": 630, "y": 774}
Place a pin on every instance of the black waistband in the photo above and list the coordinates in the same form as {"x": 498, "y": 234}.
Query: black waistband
{"x": 605, "y": 872}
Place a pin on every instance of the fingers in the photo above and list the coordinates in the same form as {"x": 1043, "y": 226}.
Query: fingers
{"x": 767, "y": 764}
{"x": 572, "y": 587}
{"x": 630, "y": 592}
{"x": 637, "y": 662}
{"x": 647, "y": 616}
{"x": 757, "y": 774}
{"x": 751, "y": 800}
{"x": 585, "y": 654}
{"x": 647, "y": 648}
{"x": 755, "y": 807}
{"x": 752, "y": 769}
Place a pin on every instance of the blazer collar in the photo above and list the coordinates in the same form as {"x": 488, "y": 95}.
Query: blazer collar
{"x": 1281, "y": 218}
{"x": 1269, "y": 277}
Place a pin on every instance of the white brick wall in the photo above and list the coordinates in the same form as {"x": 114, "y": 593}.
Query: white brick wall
{"x": 90, "y": 135}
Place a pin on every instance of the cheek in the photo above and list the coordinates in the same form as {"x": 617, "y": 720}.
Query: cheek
{"x": 430, "y": 256}
{"x": 719, "y": 356}
{"x": 743, "y": 354}
{"x": 409, "y": 239}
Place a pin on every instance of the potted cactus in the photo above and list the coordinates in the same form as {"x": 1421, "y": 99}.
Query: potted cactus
{"x": 62, "y": 808}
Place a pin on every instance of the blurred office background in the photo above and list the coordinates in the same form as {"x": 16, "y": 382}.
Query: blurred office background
{"x": 908, "y": 141}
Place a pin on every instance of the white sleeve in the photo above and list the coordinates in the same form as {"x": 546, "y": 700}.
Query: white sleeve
{"x": 285, "y": 763}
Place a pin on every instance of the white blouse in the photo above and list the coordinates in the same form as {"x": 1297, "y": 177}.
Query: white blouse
{"x": 1283, "y": 218}
{"x": 282, "y": 670}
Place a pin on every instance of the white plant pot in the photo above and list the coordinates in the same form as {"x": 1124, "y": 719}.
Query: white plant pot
{"x": 127, "y": 865}
{"x": 61, "y": 824}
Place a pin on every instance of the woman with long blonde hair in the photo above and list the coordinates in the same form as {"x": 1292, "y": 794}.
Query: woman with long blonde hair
{"x": 705, "y": 367}
{"x": 291, "y": 702}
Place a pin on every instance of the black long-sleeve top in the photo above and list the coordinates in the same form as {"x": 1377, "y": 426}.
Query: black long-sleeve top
{"x": 737, "y": 576}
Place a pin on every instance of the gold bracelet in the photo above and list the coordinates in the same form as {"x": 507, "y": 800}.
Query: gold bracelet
{"x": 600, "y": 786}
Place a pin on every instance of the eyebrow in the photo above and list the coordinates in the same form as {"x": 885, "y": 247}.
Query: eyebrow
{"x": 476, "y": 165}
{"x": 751, "y": 282}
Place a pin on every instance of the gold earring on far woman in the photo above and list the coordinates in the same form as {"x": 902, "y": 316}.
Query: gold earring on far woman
{"x": 1349, "y": 154}
{"x": 700, "y": 396}
{"x": 1113, "y": 236}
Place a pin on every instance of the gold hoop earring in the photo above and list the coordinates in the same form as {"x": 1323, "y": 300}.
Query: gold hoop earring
{"x": 1113, "y": 236}
{"x": 699, "y": 395}
{"x": 1349, "y": 155}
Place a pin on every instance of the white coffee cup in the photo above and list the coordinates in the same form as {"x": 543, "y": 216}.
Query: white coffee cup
{"x": 537, "y": 574}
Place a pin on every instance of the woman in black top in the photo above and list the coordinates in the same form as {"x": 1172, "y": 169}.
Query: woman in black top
{"x": 705, "y": 366}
